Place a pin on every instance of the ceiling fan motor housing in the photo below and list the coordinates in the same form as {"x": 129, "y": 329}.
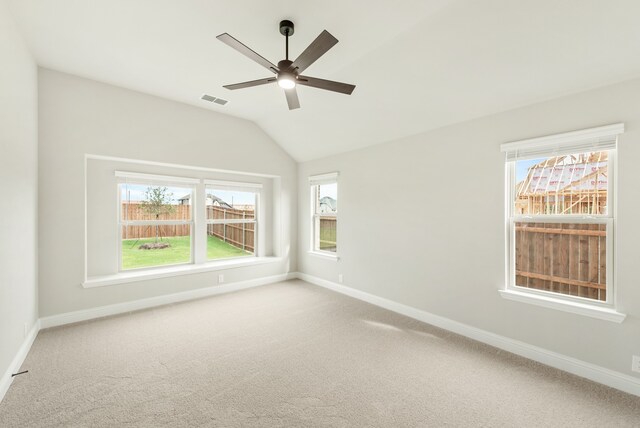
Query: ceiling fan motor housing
{"x": 286, "y": 66}
{"x": 286, "y": 28}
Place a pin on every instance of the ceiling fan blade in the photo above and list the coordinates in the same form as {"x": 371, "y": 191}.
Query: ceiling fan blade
{"x": 250, "y": 83}
{"x": 292, "y": 98}
{"x": 315, "y": 50}
{"x": 246, "y": 51}
{"x": 329, "y": 85}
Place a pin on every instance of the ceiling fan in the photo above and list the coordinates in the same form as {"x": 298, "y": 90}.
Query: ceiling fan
{"x": 288, "y": 72}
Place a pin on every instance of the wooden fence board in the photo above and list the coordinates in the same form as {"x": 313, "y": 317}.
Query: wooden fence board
{"x": 603, "y": 263}
{"x": 593, "y": 263}
{"x": 574, "y": 260}
{"x": 554, "y": 243}
{"x": 538, "y": 259}
{"x": 583, "y": 269}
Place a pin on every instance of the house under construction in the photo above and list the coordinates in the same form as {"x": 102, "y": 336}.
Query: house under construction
{"x": 568, "y": 184}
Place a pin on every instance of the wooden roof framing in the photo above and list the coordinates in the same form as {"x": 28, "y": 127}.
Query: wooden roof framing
{"x": 523, "y": 188}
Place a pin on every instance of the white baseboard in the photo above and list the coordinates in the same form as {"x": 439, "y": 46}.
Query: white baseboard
{"x": 6, "y": 379}
{"x": 134, "y": 305}
{"x": 572, "y": 365}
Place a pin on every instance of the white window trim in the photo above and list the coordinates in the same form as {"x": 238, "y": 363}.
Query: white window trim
{"x": 326, "y": 255}
{"x": 601, "y": 138}
{"x": 314, "y": 181}
{"x": 564, "y": 305}
{"x": 166, "y": 271}
{"x": 279, "y": 249}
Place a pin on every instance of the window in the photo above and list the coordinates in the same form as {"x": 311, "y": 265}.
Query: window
{"x": 155, "y": 221}
{"x": 161, "y": 220}
{"x": 231, "y": 219}
{"x": 561, "y": 216}
{"x": 324, "y": 203}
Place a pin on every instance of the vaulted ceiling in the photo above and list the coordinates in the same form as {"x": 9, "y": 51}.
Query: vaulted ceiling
{"x": 418, "y": 64}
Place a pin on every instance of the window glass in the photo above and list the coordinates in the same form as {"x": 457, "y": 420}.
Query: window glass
{"x": 172, "y": 246}
{"x": 560, "y": 185}
{"x": 147, "y": 202}
{"x": 325, "y": 217}
{"x": 567, "y": 256}
{"x": 231, "y": 223}
{"x": 155, "y": 225}
{"x": 328, "y": 198}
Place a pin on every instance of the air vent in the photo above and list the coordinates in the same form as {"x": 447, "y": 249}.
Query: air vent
{"x": 213, "y": 99}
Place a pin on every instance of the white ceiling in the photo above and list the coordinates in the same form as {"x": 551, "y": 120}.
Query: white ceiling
{"x": 417, "y": 64}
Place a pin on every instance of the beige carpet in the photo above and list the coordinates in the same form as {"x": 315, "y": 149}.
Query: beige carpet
{"x": 291, "y": 354}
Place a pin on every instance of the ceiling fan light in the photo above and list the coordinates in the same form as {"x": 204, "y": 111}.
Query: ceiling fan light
{"x": 286, "y": 82}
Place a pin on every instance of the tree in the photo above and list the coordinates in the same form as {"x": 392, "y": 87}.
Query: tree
{"x": 157, "y": 201}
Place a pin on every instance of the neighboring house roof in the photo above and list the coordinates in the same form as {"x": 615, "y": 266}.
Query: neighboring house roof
{"x": 328, "y": 205}
{"x": 217, "y": 201}
{"x": 214, "y": 200}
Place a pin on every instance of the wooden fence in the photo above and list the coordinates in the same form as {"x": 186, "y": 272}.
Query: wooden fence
{"x": 562, "y": 257}
{"x": 328, "y": 233}
{"x": 135, "y": 212}
{"x": 239, "y": 235}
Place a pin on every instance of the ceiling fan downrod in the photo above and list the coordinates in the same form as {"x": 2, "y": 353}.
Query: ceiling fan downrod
{"x": 286, "y": 29}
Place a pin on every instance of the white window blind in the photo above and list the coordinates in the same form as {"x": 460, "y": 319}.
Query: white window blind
{"x": 329, "y": 178}
{"x": 586, "y": 140}
{"x": 152, "y": 179}
{"x": 233, "y": 185}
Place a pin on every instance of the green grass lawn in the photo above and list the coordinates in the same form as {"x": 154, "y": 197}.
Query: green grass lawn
{"x": 218, "y": 249}
{"x": 178, "y": 252}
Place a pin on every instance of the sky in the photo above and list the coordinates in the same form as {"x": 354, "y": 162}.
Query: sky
{"x": 233, "y": 197}
{"x": 135, "y": 193}
{"x": 522, "y": 168}
{"x": 330, "y": 190}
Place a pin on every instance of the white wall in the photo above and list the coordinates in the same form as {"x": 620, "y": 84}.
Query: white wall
{"x": 78, "y": 117}
{"x": 18, "y": 187}
{"x": 408, "y": 235}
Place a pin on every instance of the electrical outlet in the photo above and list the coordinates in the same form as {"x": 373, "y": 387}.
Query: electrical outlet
{"x": 220, "y": 279}
{"x": 635, "y": 363}
{"x": 340, "y": 278}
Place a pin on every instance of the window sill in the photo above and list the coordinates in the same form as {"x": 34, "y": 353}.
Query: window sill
{"x": 147, "y": 274}
{"x": 585, "y": 309}
{"x": 326, "y": 256}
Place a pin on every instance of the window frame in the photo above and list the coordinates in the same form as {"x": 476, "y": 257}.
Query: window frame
{"x": 565, "y": 142}
{"x": 256, "y": 189}
{"x": 155, "y": 181}
{"x": 315, "y": 181}
{"x": 198, "y": 221}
